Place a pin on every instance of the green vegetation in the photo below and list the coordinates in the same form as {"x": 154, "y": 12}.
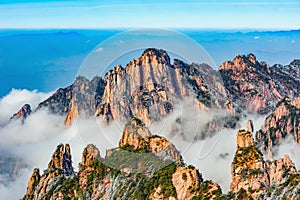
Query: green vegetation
{"x": 137, "y": 161}
{"x": 247, "y": 155}
{"x": 161, "y": 178}
{"x": 204, "y": 191}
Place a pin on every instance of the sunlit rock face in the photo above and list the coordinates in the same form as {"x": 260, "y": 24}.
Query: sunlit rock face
{"x": 59, "y": 167}
{"x": 255, "y": 86}
{"x": 138, "y": 137}
{"x": 280, "y": 124}
{"x": 149, "y": 86}
{"x": 251, "y": 172}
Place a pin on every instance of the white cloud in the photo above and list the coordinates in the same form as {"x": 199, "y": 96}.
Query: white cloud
{"x": 100, "y": 49}
{"x": 15, "y": 99}
{"x": 290, "y": 147}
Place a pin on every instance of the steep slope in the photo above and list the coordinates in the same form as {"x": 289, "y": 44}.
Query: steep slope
{"x": 24, "y": 112}
{"x": 257, "y": 87}
{"x": 252, "y": 174}
{"x": 284, "y": 121}
{"x": 59, "y": 167}
{"x": 126, "y": 172}
{"x": 150, "y": 86}
{"x": 81, "y": 97}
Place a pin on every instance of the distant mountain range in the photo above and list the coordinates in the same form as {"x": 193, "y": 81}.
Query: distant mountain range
{"x": 33, "y": 58}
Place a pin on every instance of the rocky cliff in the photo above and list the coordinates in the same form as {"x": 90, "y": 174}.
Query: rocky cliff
{"x": 257, "y": 87}
{"x": 252, "y": 174}
{"x": 280, "y": 124}
{"x": 137, "y": 136}
{"x": 59, "y": 168}
{"x": 82, "y": 97}
{"x": 148, "y": 87}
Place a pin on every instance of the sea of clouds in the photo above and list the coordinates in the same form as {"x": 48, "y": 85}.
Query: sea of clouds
{"x": 34, "y": 141}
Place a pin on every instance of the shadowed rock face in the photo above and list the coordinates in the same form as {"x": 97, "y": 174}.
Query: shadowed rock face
{"x": 251, "y": 172}
{"x": 24, "y": 112}
{"x": 284, "y": 121}
{"x": 82, "y": 97}
{"x": 62, "y": 159}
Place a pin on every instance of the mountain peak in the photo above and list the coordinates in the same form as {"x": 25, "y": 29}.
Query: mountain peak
{"x": 244, "y": 139}
{"x": 252, "y": 58}
{"x": 134, "y": 134}
{"x": 137, "y": 136}
{"x": 22, "y": 113}
{"x": 155, "y": 56}
{"x": 62, "y": 159}
{"x": 90, "y": 154}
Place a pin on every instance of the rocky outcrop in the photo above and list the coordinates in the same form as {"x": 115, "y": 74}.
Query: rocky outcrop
{"x": 72, "y": 114}
{"x": 59, "y": 168}
{"x": 281, "y": 123}
{"x": 185, "y": 178}
{"x": 32, "y": 183}
{"x": 250, "y": 126}
{"x": 97, "y": 178}
{"x": 24, "y": 112}
{"x": 255, "y": 86}
{"x": 90, "y": 154}
{"x": 251, "y": 173}
{"x": 62, "y": 159}
{"x": 82, "y": 97}
{"x": 137, "y": 136}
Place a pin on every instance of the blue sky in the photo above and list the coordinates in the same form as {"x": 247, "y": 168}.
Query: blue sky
{"x": 133, "y": 13}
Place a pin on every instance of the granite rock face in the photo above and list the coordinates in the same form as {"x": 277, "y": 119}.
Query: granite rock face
{"x": 137, "y": 136}
{"x": 62, "y": 159}
{"x": 82, "y": 97}
{"x": 149, "y": 86}
{"x": 251, "y": 173}
{"x": 283, "y": 122}
{"x": 59, "y": 168}
{"x": 255, "y": 86}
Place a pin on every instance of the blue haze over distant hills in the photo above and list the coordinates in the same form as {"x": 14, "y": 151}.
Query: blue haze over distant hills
{"x": 49, "y": 59}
